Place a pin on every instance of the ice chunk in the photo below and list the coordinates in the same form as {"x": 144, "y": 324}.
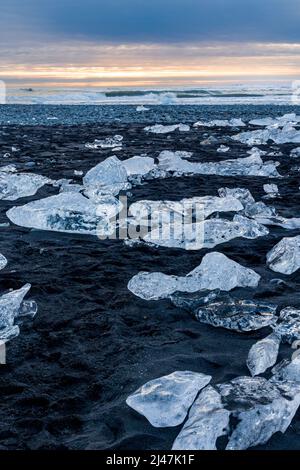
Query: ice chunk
{"x": 108, "y": 177}
{"x": 11, "y": 306}
{"x": 287, "y": 371}
{"x": 237, "y": 315}
{"x": 141, "y": 108}
{"x": 285, "y": 256}
{"x": 280, "y": 121}
{"x": 67, "y": 212}
{"x": 108, "y": 142}
{"x": 138, "y": 165}
{"x": 16, "y": 185}
{"x": 288, "y": 134}
{"x": 3, "y": 261}
{"x": 216, "y": 271}
{"x": 288, "y": 327}
{"x": 263, "y": 354}
{"x": 271, "y": 189}
{"x": 160, "y": 129}
{"x": 273, "y": 408}
{"x": 220, "y": 123}
{"x": 207, "y": 421}
{"x": 223, "y": 149}
{"x": 204, "y": 234}
{"x": 165, "y": 401}
{"x": 248, "y": 166}
{"x": 295, "y": 153}
{"x": 206, "y": 206}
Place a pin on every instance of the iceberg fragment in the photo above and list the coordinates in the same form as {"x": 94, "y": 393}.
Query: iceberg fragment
{"x": 205, "y": 234}
{"x": 263, "y": 354}
{"x": 16, "y": 185}
{"x": 108, "y": 177}
{"x": 207, "y": 421}
{"x": 108, "y": 142}
{"x": 262, "y": 408}
{"x": 285, "y": 256}
{"x": 160, "y": 129}
{"x": 216, "y": 271}
{"x": 288, "y": 134}
{"x": 11, "y": 307}
{"x": 67, "y": 212}
{"x": 138, "y": 165}
{"x": 3, "y": 261}
{"x": 280, "y": 121}
{"x": 288, "y": 327}
{"x": 295, "y": 153}
{"x": 165, "y": 401}
{"x": 247, "y": 166}
{"x": 221, "y": 123}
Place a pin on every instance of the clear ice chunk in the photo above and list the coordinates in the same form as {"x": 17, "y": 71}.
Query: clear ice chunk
{"x": 280, "y": 121}
{"x": 288, "y": 326}
{"x": 160, "y": 129}
{"x": 3, "y": 261}
{"x": 216, "y": 271}
{"x": 68, "y": 212}
{"x": 287, "y": 134}
{"x": 221, "y": 123}
{"x": 108, "y": 177}
{"x": 247, "y": 166}
{"x": 263, "y": 354}
{"x": 236, "y": 315}
{"x": 285, "y": 256}
{"x": 295, "y": 153}
{"x": 207, "y": 421}
{"x": 138, "y": 165}
{"x": 108, "y": 142}
{"x": 165, "y": 401}
{"x": 11, "y": 307}
{"x": 16, "y": 185}
{"x": 205, "y": 234}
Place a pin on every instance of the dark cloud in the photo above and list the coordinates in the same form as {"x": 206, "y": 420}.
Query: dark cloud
{"x": 155, "y": 21}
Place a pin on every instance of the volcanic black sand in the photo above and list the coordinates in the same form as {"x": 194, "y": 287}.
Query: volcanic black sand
{"x": 92, "y": 342}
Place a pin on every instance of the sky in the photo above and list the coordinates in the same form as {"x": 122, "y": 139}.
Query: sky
{"x": 148, "y": 42}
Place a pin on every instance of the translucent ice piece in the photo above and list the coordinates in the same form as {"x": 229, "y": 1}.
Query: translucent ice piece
{"x": 263, "y": 354}
{"x": 285, "y": 256}
{"x": 108, "y": 142}
{"x": 160, "y": 129}
{"x": 16, "y": 185}
{"x": 108, "y": 177}
{"x": 67, "y": 212}
{"x": 216, "y": 271}
{"x": 207, "y": 421}
{"x": 165, "y": 401}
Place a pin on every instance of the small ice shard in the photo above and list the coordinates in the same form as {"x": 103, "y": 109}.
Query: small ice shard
{"x": 223, "y": 149}
{"x": 263, "y": 354}
{"x": 205, "y": 234}
{"x": 287, "y": 371}
{"x": 220, "y": 123}
{"x": 8, "y": 169}
{"x": 11, "y": 305}
{"x": 16, "y": 185}
{"x": 78, "y": 172}
{"x": 138, "y": 165}
{"x": 236, "y": 315}
{"x": 141, "y": 108}
{"x": 288, "y": 326}
{"x": 108, "y": 177}
{"x": 207, "y": 421}
{"x": 3, "y": 261}
{"x": 165, "y": 401}
{"x": 261, "y": 407}
{"x": 160, "y": 129}
{"x": 285, "y": 256}
{"x": 288, "y": 134}
{"x": 282, "y": 121}
{"x": 108, "y": 142}
{"x": 295, "y": 153}
{"x": 206, "y": 205}
{"x": 247, "y": 166}
{"x": 216, "y": 271}
{"x": 67, "y": 212}
{"x": 271, "y": 189}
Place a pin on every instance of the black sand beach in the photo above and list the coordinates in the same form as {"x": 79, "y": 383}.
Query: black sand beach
{"x": 92, "y": 342}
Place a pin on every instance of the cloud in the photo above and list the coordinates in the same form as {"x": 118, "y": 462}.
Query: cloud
{"x": 152, "y": 21}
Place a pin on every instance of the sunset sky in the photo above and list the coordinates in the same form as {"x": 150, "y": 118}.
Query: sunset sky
{"x": 148, "y": 42}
